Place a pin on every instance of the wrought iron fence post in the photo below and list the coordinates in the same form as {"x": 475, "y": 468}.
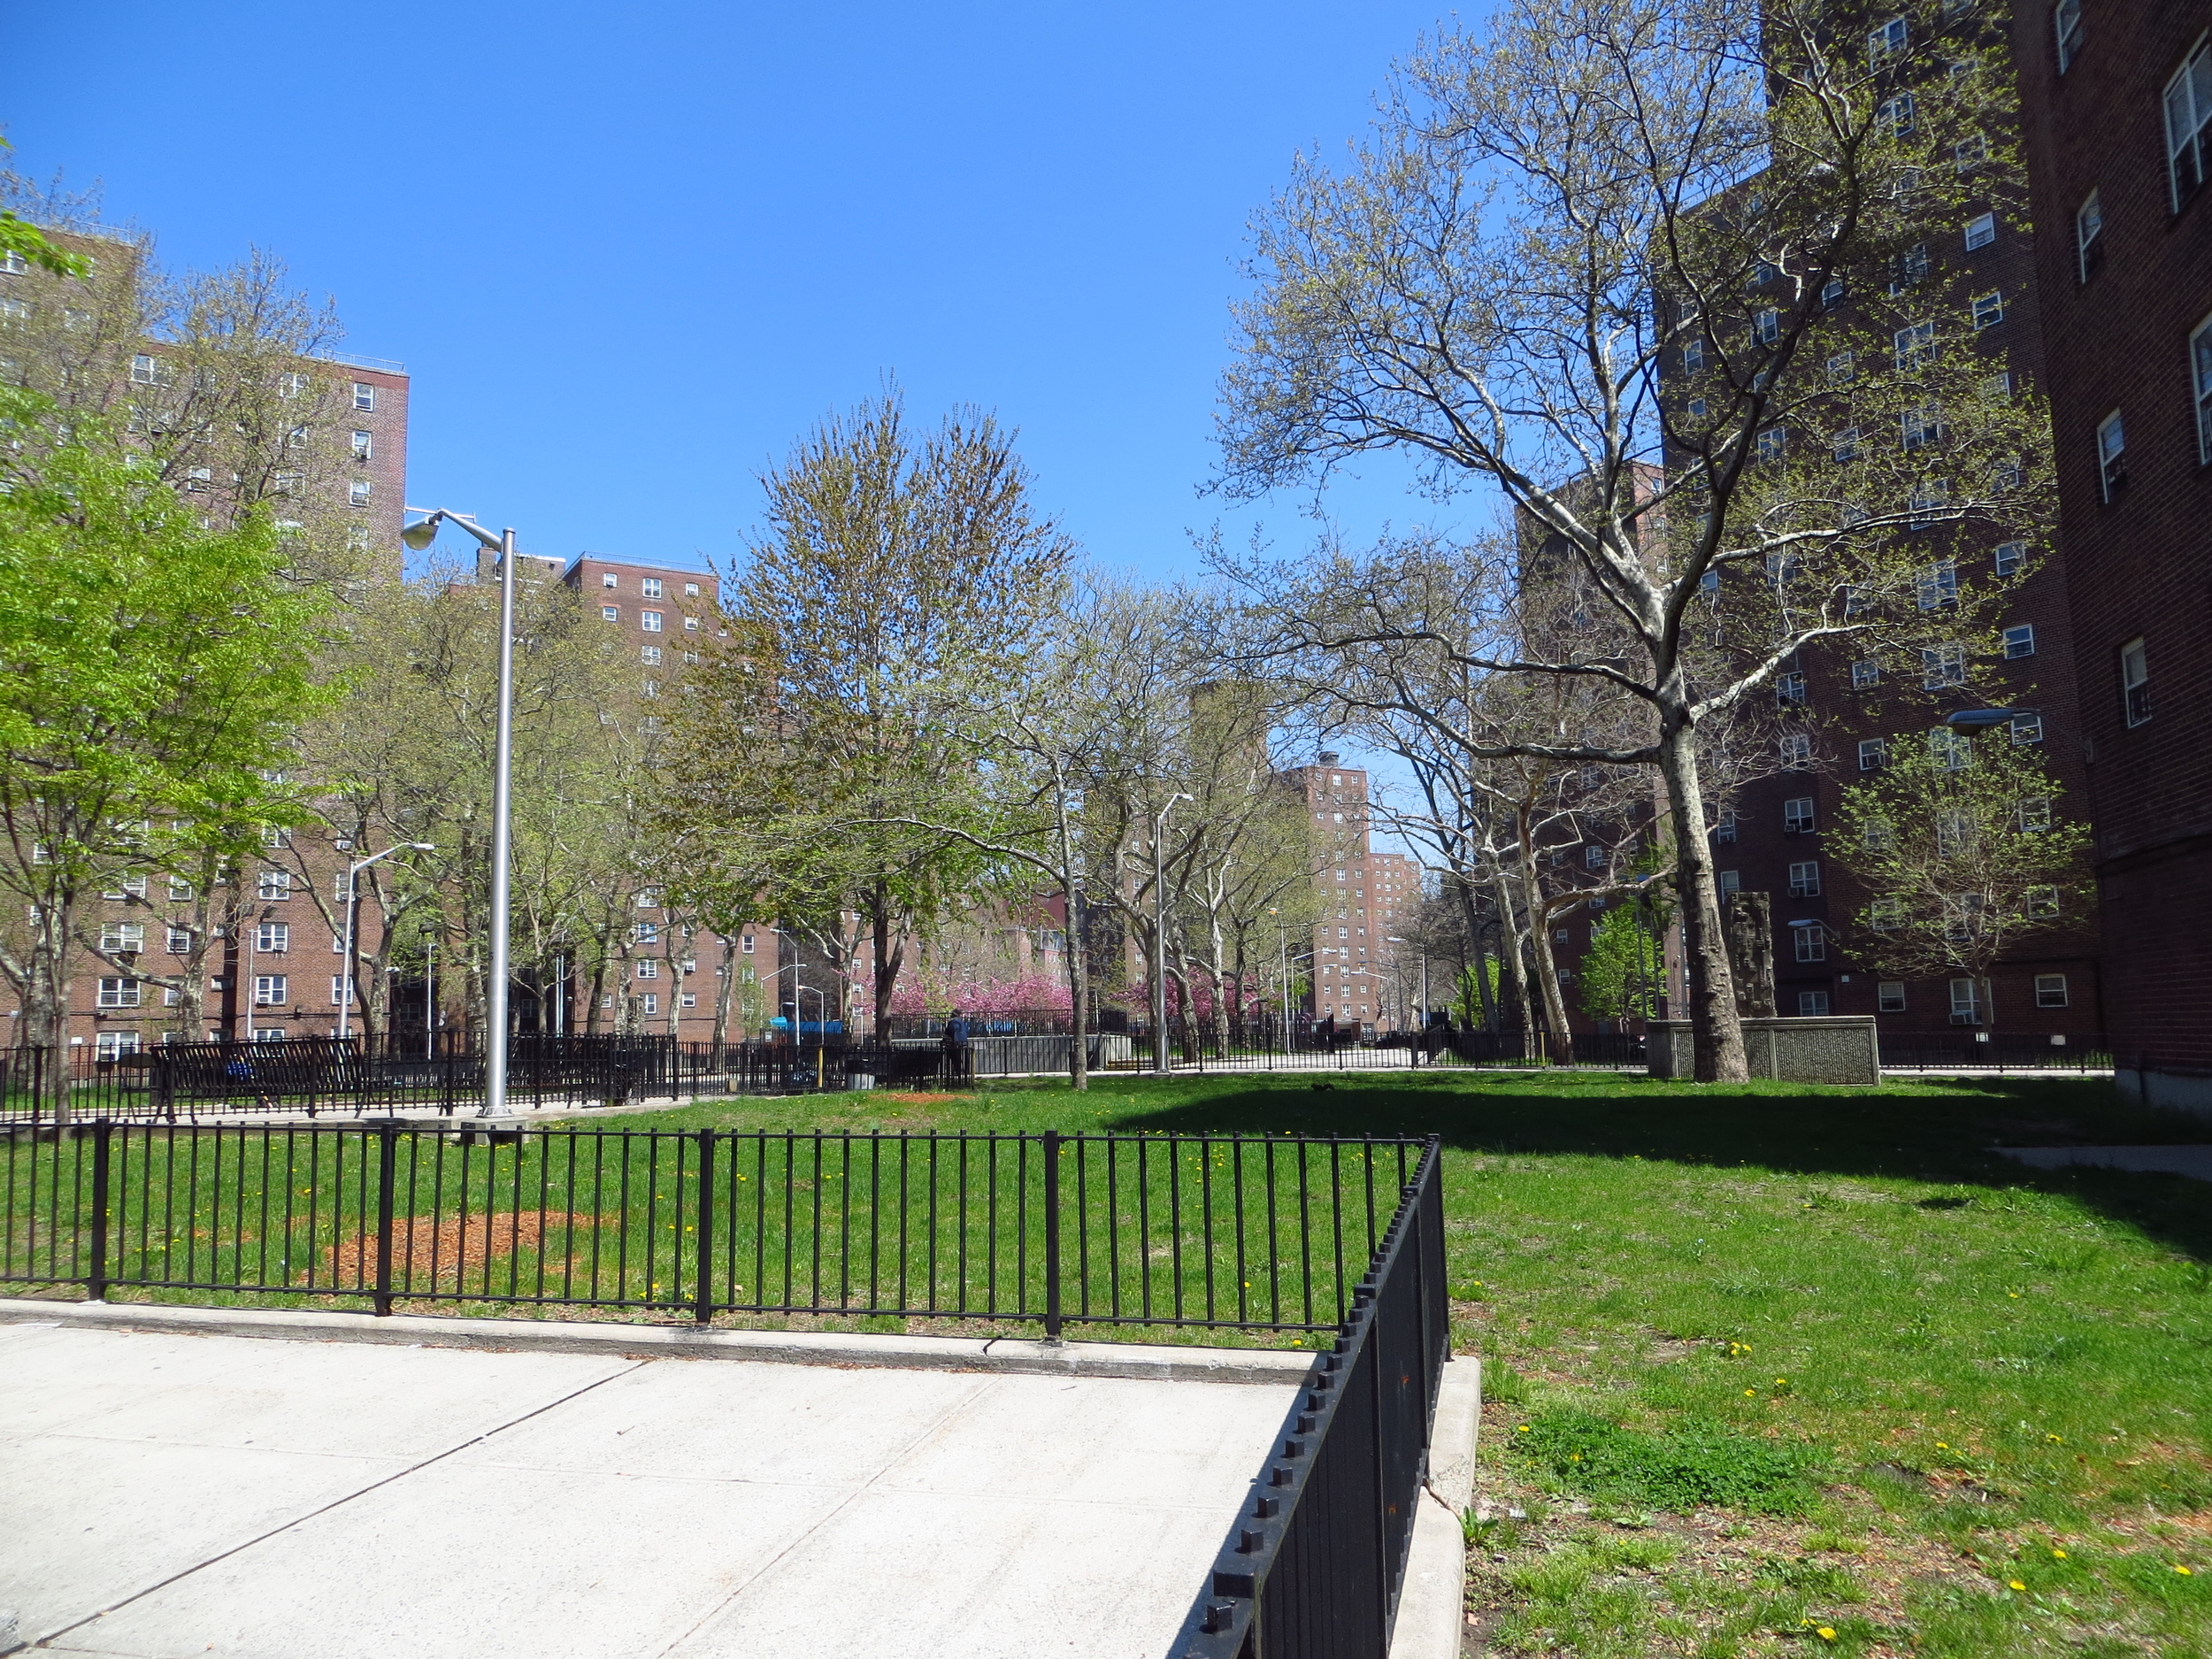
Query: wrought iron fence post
{"x": 701, "y": 1292}
{"x": 97, "y": 1281}
{"x": 387, "y": 1174}
{"x": 1052, "y": 1235}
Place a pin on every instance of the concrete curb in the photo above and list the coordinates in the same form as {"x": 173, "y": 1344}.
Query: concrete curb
{"x": 672, "y": 1341}
{"x": 1432, "y": 1607}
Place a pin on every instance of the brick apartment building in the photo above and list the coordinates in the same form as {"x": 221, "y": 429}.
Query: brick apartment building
{"x": 2117, "y": 105}
{"x": 1362, "y": 893}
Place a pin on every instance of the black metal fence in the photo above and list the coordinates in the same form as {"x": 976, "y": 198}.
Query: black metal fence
{"x": 1968, "y": 1050}
{"x": 1246, "y": 1233}
{"x": 1314, "y": 1567}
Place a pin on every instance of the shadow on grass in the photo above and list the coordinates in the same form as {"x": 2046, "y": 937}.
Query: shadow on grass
{"x": 1937, "y": 1131}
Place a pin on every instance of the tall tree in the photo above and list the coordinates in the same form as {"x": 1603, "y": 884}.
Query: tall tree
{"x": 1593, "y": 261}
{"x": 898, "y": 588}
{"x": 152, "y": 673}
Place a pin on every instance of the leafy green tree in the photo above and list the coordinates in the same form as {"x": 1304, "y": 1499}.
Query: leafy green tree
{"x": 1624, "y": 971}
{"x": 152, "y": 674}
{"x": 1963, "y": 853}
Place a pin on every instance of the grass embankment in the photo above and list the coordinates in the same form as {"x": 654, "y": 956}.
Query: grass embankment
{"x": 1779, "y": 1370}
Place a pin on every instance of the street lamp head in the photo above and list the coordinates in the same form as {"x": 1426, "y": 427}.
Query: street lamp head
{"x": 419, "y": 536}
{"x": 1976, "y": 719}
{"x": 422, "y": 847}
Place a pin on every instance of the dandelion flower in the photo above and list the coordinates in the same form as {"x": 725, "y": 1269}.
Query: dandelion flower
{"x": 1524, "y": 1428}
{"x": 1826, "y": 1632}
{"x": 1751, "y": 1391}
{"x": 2182, "y": 1571}
{"x": 1943, "y": 1445}
{"x": 2058, "y": 1555}
{"x": 2017, "y": 1583}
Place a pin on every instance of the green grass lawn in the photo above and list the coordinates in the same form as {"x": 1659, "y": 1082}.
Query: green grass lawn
{"x": 1775, "y": 1369}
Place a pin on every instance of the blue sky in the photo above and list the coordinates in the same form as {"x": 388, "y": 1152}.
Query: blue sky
{"x": 629, "y": 253}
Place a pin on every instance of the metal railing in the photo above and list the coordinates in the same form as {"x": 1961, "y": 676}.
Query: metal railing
{"x": 1966, "y": 1050}
{"x": 1245, "y": 1232}
{"x": 1313, "y": 1568}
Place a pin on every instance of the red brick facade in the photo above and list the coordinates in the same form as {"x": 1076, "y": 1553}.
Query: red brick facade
{"x": 2118, "y": 323}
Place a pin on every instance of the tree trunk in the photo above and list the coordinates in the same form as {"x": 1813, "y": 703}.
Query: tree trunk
{"x": 1715, "y": 1037}
{"x": 723, "y": 992}
{"x": 1078, "y": 992}
{"x": 1510, "y": 955}
{"x": 888, "y": 959}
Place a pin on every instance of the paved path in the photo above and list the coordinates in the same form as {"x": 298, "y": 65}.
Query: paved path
{"x": 166, "y": 1496}
{"x": 2192, "y": 1161}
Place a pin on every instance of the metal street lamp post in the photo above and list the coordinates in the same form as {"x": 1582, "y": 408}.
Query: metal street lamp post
{"x": 353, "y": 910}
{"x": 419, "y": 536}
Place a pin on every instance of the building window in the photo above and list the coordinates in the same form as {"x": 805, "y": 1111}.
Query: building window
{"x": 180, "y": 940}
{"x": 1937, "y": 586}
{"x": 2020, "y": 642}
{"x": 272, "y": 937}
{"x": 1942, "y": 666}
{"x": 648, "y": 898}
{"x": 1888, "y": 41}
{"x": 2042, "y": 904}
{"x": 1805, "y": 879}
{"x": 1831, "y": 293}
{"x": 691, "y": 624}
{"x": 2050, "y": 990}
{"x": 1885, "y": 915}
{"x": 688, "y": 1000}
{"x": 2035, "y": 813}
{"x": 1966, "y": 1003}
{"x": 2111, "y": 454}
{"x": 1812, "y": 1004}
{"x": 126, "y": 887}
{"x": 1889, "y": 996}
{"x": 2200, "y": 382}
{"x": 1766, "y": 327}
{"x": 606, "y": 578}
{"x": 1989, "y": 310}
{"x": 113, "y": 1045}
{"x": 2189, "y": 123}
{"x": 1729, "y": 881}
{"x": 1921, "y": 425}
{"x": 2027, "y": 728}
{"x": 611, "y": 613}
{"x": 650, "y": 655}
{"x": 1865, "y": 673}
{"x": 122, "y": 936}
{"x": 1789, "y": 688}
{"x": 2135, "y": 682}
{"x": 651, "y": 688}
{"x": 1969, "y": 153}
{"x": 357, "y": 492}
{"x": 1845, "y": 445}
{"x": 269, "y": 990}
{"x": 340, "y": 990}
{"x": 274, "y": 885}
{"x": 1980, "y": 231}
{"x": 2010, "y": 556}
{"x": 1772, "y": 442}
{"x": 1894, "y": 118}
{"x": 649, "y": 620}
{"x": 1797, "y": 816}
{"x": 2066, "y": 30}
{"x": 1913, "y": 345}
{"x": 2088, "y": 237}
{"x": 364, "y": 445}
{"x": 691, "y": 590}
{"x": 1810, "y": 941}
{"x": 1725, "y": 824}
{"x": 1692, "y": 356}
{"x": 1873, "y": 754}
{"x": 649, "y": 969}
{"x": 1594, "y": 857}
{"x": 364, "y": 398}
{"x": 1797, "y": 751}
{"x": 649, "y": 1003}
{"x": 746, "y": 944}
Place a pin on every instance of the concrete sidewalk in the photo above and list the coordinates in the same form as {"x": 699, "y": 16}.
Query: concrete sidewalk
{"x": 165, "y": 1495}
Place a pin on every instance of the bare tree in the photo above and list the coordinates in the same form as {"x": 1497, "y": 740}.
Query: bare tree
{"x": 1607, "y": 240}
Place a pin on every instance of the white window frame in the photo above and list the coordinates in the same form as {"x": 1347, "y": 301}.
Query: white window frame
{"x": 649, "y": 586}
{"x": 1796, "y": 750}
{"x": 2135, "y": 682}
{"x": 1873, "y": 754}
{"x": 2066, "y": 32}
{"x": 1799, "y": 817}
{"x": 2200, "y": 387}
{"x": 1912, "y": 344}
{"x": 2187, "y": 106}
{"x": 123, "y": 936}
{"x": 271, "y": 990}
{"x": 2050, "y": 990}
{"x": 357, "y": 493}
{"x": 1988, "y": 310}
{"x": 1812, "y": 1004}
{"x": 364, "y": 398}
{"x": 271, "y": 939}
{"x": 1981, "y": 231}
{"x": 1729, "y": 881}
{"x": 1866, "y": 672}
{"x": 273, "y": 886}
{"x": 178, "y": 939}
{"x": 1805, "y": 878}
{"x": 1889, "y": 996}
{"x": 1942, "y": 667}
{"x": 1966, "y": 1001}
{"x": 364, "y": 444}
{"x": 611, "y": 613}
{"x": 113, "y": 1045}
{"x": 649, "y": 1003}
{"x": 2088, "y": 237}
{"x": 2011, "y": 556}
{"x": 1809, "y": 944}
{"x": 2019, "y": 641}
{"x": 1888, "y": 41}
{"x": 649, "y": 621}
{"x": 341, "y": 990}
{"x": 2034, "y": 814}
{"x": 117, "y": 992}
{"x": 2112, "y": 448}
{"x": 2026, "y": 729}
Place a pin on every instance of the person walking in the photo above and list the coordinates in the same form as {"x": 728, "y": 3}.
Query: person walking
{"x": 959, "y": 1057}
